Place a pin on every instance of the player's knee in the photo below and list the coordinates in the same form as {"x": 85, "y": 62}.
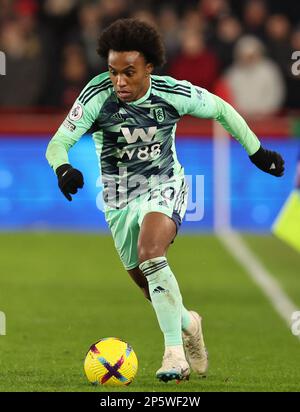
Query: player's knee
{"x": 148, "y": 252}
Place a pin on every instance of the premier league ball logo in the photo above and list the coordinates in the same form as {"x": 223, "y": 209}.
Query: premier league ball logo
{"x": 76, "y": 112}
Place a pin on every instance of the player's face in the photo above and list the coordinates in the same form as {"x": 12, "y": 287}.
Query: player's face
{"x": 130, "y": 74}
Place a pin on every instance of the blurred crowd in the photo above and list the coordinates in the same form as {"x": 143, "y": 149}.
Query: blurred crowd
{"x": 240, "y": 50}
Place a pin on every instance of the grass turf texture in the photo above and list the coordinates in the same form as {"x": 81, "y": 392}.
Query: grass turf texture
{"x": 63, "y": 292}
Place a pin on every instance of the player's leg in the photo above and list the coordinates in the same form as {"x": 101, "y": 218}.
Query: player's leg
{"x": 140, "y": 280}
{"x": 191, "y": 324}
{"x": 156, "y": 233}
{"x": 171, "y": 201}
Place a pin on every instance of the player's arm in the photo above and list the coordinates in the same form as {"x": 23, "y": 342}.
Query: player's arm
{"x": 78, "y": 122}
{"x": 207, "y": 105}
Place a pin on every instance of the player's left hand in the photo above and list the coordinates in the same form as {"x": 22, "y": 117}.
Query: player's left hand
{"x": 268, "y": 161}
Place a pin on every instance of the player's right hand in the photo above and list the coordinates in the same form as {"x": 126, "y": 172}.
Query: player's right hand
{"x": 69, "y": 180}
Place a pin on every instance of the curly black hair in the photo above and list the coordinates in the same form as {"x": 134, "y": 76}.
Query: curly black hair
{"x": 133, "y": 35}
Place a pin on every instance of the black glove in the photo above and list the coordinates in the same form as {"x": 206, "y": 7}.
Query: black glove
{"x": 69, "y": 180}
{"x": 268, "y": 161}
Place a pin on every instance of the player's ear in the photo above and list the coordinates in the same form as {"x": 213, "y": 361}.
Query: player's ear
{"x": 149, "y": 68}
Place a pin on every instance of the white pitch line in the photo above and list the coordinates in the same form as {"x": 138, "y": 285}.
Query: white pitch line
{"x": 283, "y": 305}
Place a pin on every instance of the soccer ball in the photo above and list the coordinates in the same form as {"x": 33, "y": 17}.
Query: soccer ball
{"x": 111, "y": 362}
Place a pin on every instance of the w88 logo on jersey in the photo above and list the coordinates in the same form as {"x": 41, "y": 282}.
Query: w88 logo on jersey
{"x": 146, "y": 153}
{"x": 149, "y": 152}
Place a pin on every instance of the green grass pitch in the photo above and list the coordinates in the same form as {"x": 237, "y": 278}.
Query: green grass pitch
{"x": 63, "y": 292}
